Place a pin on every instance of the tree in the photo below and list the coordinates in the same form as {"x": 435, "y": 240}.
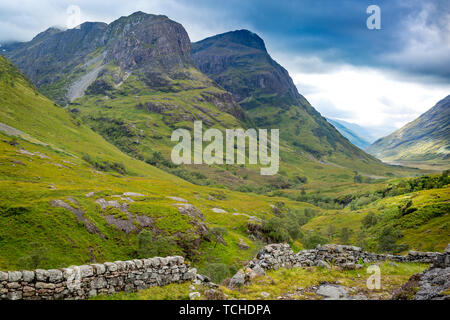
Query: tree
{"x": 387, "y": 241}
{"x": 369, "y": 220}
{"x": 344, "y": 236}
{"x": 275, "y": 229}
{"x": 311, "y": 240}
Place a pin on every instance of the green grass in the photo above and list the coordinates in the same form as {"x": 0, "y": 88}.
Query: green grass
{"x": 46, "y": 163}
{"x": 174, "y": 291}
{"x": 289, "y": 281}
{"x": 283, "y": 281}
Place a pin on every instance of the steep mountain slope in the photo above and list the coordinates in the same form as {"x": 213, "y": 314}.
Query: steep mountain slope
{"x": 68, "y": 197}
{"x": 49, "y": 58}
{"x": 349, "y": 134}
{"x": 26, "y": 113}
{"x": 134, "y": 86}
{"x": 239, "y": 62}
{"x": 152, "y": 48}
{"x": 425, "y": 139}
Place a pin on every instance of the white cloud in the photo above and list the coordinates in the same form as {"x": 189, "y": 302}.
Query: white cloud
{"x": 23, "y": 19}
{"x": 367, "y": 96}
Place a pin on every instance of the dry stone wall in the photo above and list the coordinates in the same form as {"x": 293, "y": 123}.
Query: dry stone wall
{"x": 275, "y": 256}
{"x": 82, "y": 282}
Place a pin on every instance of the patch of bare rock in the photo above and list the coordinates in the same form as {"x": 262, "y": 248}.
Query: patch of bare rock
{"x": 79, "y": 214}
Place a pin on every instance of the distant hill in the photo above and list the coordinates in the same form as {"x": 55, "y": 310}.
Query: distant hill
{"x": 349, "y": 134}
{"x": 370, "y": 134}
{"x": 425, "y": 139}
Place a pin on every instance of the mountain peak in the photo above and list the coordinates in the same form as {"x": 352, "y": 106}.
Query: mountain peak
{"x": 247, "y": 38}
{"x": 241, "y": 51}
{"x": 242, "y": 37}
{"x": 136, "y": 18}
{"x": 146, "y": 39}
{"x": 139, "y": 40}
{"x": 48, "y": 32}
{"x": 144, "y": 14}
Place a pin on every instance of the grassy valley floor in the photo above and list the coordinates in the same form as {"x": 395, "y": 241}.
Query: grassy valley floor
{"x": 314, "y": 283}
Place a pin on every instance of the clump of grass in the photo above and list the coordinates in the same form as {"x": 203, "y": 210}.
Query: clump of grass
{"x": 105, "y": 165}
{"x": 174, "y": 291}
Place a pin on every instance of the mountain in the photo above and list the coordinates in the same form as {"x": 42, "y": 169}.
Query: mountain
{"x": 425, "y": 139}
{"x": 64, "y": 63}
{"x": 240, "y": 63}
{"x": 68, "y": 197}
{"x": 27, "y": 114}
{"x": 135, "y": 80}
{"x": 349, "y": 134}
{"x": 369, "y": 134}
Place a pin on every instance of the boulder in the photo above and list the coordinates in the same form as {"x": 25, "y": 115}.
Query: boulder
{"x": 55, "y": 275}
{"x": 28, "y": 276}
{"x": 14, "y": 276}
{"x": 194, "y": 295}
{"x": 237, "y": 280}
{"x": 323, "y": 264}
{"x": 242, "y": 245}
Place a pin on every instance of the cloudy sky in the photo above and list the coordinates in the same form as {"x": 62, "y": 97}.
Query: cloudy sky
{"x": 380, "y": 79}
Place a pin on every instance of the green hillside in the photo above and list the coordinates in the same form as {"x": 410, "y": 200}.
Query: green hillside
{"x": 406, "y": 214}
{"x": 424, "y": 140}
{"x": 68, "y": 197}
{"x": 55, "y": 171}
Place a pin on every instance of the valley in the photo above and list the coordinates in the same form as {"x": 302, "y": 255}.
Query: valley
{"x": 86, "y": 119}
